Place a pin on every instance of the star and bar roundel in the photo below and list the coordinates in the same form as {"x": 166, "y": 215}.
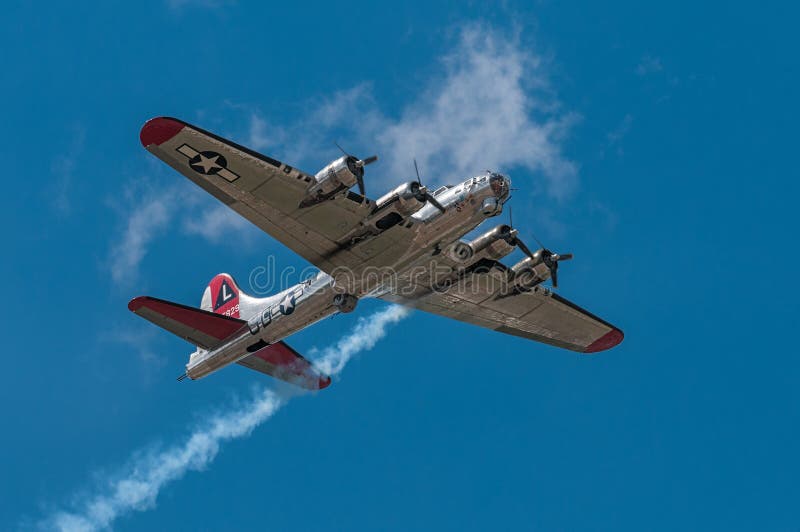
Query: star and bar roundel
{"x": 287, "y": 304}
{"x": 207, "y": 163}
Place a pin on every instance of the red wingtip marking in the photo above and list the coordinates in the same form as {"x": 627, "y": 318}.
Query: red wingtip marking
{"x": 324, "y": 382}
{"x": 136, "y": 303}
{"x": 607, "y": 341}
{"x": 159, "y": 130}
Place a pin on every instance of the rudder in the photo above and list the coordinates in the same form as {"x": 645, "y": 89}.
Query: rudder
{"x": 221, "y": 296}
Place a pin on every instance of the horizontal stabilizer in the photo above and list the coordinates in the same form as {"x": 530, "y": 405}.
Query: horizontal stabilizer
{"x": 200, "y": 327}
{"x": 282, "y": 362}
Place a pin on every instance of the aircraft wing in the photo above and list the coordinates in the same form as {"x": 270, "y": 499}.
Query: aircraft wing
{"x": 268, "y": 192}
{"x": 282, "y": 362}
{"x": 483, "y": 298}
{"x": 204, "y": 329}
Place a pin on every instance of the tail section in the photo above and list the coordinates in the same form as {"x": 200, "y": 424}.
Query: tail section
{"x": 222, "y": 316}
{"x": 222, "y": 296}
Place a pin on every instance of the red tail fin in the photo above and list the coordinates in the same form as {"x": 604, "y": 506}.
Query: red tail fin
{"x": 221, "y": 296}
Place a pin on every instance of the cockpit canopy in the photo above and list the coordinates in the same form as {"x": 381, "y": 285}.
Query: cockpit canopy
{"x": 441, "y": 189}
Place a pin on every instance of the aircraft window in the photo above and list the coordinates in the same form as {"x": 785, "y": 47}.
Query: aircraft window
{"x": 441, "y": 189}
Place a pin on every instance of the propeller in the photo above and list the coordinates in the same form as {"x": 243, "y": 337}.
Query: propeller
{"x": 359, "y": 165}
{"x": 512, "y": 237}
{"x": 549, "y": 258}
{"x": 422, "y": 193}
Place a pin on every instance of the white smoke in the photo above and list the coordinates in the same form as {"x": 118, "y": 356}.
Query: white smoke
{"x": 366, "y": 333}
{"x": 137, "y": 489}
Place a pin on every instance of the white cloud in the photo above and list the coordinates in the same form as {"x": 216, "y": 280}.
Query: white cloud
{"x": 63, "y": 168}
{"x": 146, "y": 218}
{"x": 138, "y": 486}
{"x": 150, "y": 210}
{"x": 488, "y": 110}
{"x": 488, "y": 105}
{"x": 215, "y": 224}
{"x": 615, "y": 136}
{"x": 621, "y": 130}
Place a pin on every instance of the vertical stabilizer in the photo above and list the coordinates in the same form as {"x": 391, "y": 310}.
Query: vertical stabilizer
{"x": 221, "y": 296}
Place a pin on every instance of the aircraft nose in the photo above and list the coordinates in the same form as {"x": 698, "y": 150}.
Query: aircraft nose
{"x": 501, "y": 185}
{"x": 508, "y": 183}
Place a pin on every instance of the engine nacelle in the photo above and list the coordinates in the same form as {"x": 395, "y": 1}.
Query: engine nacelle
{"x": 345, "y": 303}
{"x": 530, "y": 271}
{"x": 491, "y": 207}
{"x": 490, "y": 245}
{"x": 408, "y": 198}
{"x": 337, "y": 177}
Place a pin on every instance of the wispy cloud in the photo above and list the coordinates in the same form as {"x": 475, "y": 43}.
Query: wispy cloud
{"x": 150, "y": 210}
{"x": 649, "y": 65}
{"x": 490, "y": 109}
{"x": 215, "y": 224}
{"x": 147, "y": 213}
{"x": 137, "y": 487}
{"x": 488, "y": 105}
{"x": 615, "y": 136}
{"x": 63, "y": 167}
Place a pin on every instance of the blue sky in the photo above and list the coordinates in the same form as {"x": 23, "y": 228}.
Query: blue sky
{"x": 655, "y": 141}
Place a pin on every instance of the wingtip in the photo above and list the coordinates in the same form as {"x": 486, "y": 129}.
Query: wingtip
{"x": 324, "y": 382}
{"x": 159, "y": 130}
{"x": 136, "y": 303}
{"x": 607, "y": 341}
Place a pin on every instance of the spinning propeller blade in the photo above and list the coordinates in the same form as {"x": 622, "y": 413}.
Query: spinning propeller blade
{"x": 549, "y": 258}
{"x": 369, "y": 160}
{"x": 514, "y": 238}
{"x": 424, "y": 195}
{"x": 359, "y": 164}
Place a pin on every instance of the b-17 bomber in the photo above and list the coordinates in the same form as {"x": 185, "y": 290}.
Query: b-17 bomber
{"x": 407, "y": 247}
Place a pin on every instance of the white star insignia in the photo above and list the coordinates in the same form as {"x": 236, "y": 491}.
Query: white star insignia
{"x": 287, "y": 305}
{"x": 207, "y": 163}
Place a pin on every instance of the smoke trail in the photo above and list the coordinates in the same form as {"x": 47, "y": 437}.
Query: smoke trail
{"x": 366, "y": 333}
{"x": 138, "y": 488}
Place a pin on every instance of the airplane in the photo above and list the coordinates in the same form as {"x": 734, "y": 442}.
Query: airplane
{"x": 406, "y": 247}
